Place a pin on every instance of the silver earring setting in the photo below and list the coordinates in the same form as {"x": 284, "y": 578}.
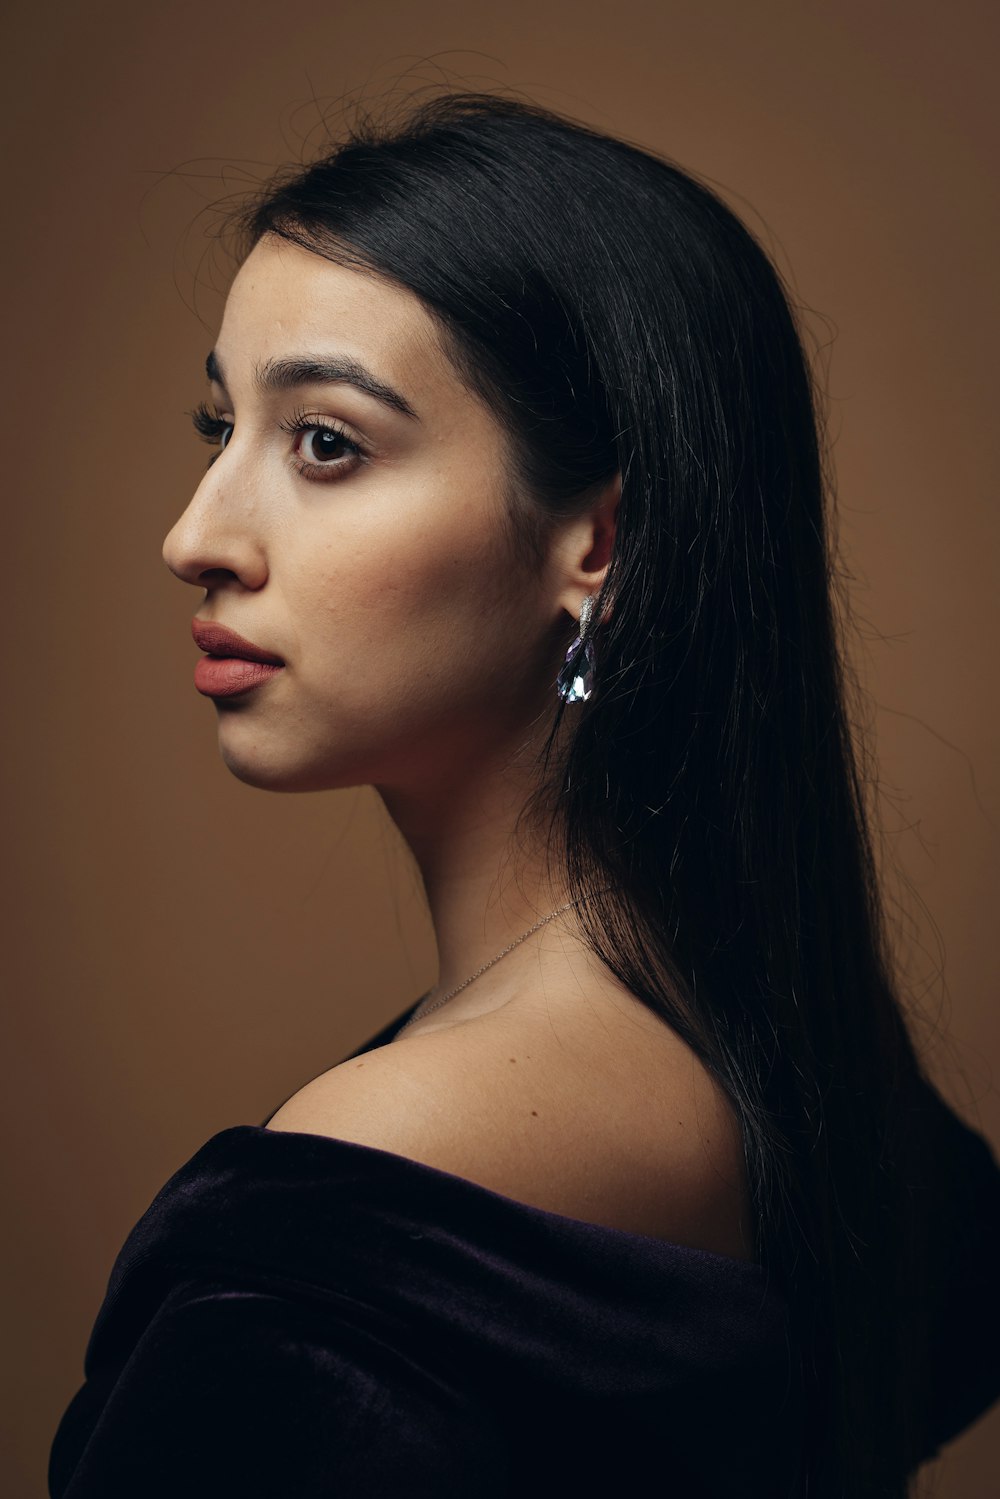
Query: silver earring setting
{"x": 575, "y": 682}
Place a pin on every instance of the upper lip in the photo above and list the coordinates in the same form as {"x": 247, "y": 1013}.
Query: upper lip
{"x": 219, "y": 641}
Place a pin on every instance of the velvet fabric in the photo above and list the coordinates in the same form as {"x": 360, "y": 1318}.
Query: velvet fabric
{"x": 296, "y": 1315}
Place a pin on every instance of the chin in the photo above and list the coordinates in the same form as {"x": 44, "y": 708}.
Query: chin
{"x": 274, "y": 773}
{"x": 266, "y": 780}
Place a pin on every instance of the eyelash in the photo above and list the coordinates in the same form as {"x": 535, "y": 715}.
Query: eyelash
{"x": 211, "y": 427}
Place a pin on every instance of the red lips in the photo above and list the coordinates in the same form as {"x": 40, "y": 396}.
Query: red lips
{"x": 219, "y": 641}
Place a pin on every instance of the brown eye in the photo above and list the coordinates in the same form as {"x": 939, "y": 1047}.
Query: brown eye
{"x": 321, "y": 444}
{"x": 210, "y": 427}
{"x": 323, "y": 451}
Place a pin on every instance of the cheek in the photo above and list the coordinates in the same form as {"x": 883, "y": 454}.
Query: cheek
{"x": 404, "y": 616}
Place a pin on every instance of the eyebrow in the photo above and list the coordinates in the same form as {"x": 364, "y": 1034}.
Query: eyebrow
{"x": 288, "y": 374}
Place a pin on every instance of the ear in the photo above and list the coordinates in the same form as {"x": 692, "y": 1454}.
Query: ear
{"x": 585, "y": 547}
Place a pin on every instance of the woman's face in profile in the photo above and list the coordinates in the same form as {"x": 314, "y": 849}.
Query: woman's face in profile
{"x": 357, "y": 535}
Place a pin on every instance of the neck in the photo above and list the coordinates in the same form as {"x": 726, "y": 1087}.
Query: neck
{"x": 484, "y": 886}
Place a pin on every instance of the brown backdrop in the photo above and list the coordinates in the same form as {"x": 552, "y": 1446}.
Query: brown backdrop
{"x": 183, "y": 951}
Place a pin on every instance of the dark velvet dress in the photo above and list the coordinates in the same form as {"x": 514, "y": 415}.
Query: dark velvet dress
{"x": 296, "y": 1316}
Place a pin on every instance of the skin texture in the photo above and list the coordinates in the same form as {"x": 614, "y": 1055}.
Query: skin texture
{"x": 420, "y": 659}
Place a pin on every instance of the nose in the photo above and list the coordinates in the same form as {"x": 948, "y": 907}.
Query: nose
{"x": 216, "y": 538}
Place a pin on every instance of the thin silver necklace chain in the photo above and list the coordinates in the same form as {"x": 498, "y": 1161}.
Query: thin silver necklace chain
{"x": 419, "y": 1015}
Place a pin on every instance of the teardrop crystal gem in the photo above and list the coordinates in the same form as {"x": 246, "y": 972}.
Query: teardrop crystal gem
{"x": 575, "y": 682}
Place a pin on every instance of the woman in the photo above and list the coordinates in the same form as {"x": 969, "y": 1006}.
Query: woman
{"x": 650, "y": 1190}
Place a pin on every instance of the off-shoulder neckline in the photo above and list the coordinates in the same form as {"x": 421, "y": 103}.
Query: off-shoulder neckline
{"x": 499, "y": 1201}
{"x": 476, "y": 1192}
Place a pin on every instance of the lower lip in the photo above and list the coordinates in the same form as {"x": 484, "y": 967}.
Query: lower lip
{"x": 225, "y": 676}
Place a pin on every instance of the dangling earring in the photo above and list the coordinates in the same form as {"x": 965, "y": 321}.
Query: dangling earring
{"x": 575, "y": 682}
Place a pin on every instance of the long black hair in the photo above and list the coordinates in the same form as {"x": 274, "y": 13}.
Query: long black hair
{"x": 710, "y": 809}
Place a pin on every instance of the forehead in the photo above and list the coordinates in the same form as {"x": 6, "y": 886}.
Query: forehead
{"x": 286, "y": 298}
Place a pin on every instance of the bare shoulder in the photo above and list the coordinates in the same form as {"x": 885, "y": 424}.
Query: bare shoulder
{"x": 610, "y": 1119}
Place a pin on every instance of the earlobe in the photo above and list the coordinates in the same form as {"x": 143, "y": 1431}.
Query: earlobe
{"x": 585, "y": 550}
{"x": 602, "y": 518}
